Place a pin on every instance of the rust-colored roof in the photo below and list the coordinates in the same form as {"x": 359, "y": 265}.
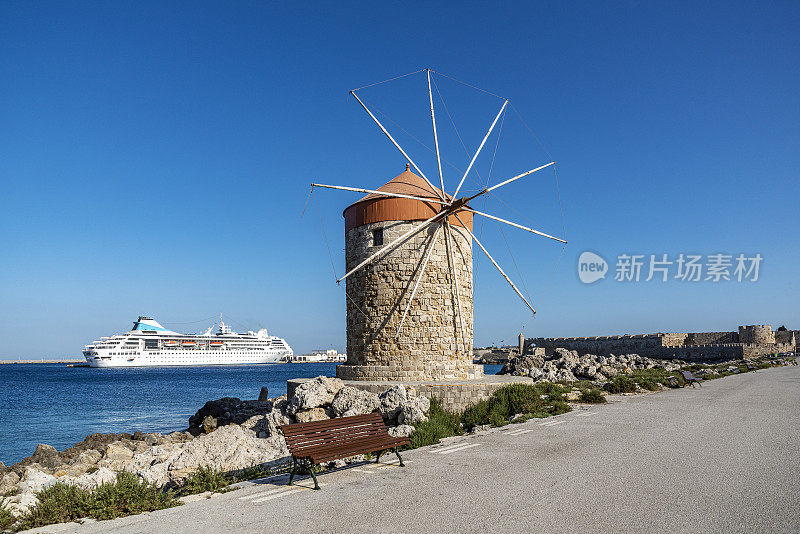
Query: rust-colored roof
{"x": 406, "y": 183}
{"x": 377, "y": 208}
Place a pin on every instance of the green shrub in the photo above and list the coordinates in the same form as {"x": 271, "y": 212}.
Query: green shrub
{"x": 555, "y": 391}
{"x": 496, "y": 419}
{"x": 127, "y": 495}
{"x": 514, "y": 399}
{"x": 648, "y": 384}
{"x": 206, "y": 479}
{"x": 6, "y": 518}
{"x": 440, "y": 424}
{"x": 476, "y": 415}
{"x": 592, "y": 396}
{"x": 558, "y": 407}
{"x": 57, "y": 504}
{"x": 621, "y": 384}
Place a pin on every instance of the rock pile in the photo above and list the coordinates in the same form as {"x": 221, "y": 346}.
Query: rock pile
{"x": 567, "y": 365}
{"x": 226, "y": 434}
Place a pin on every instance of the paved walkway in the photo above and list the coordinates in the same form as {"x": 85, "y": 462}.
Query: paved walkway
{"x": 721, "y": 458}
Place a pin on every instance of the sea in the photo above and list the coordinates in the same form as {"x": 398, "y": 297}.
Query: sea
{"x": 59, "y": 405}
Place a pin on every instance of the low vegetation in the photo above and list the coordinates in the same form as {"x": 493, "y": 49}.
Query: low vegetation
{"x": 524, "y": 400}
{"x": 127, "y": 495}
{"x": 592, "y": 396}
{"x": 6, "y": 518}
{"x": 206, "y": 479}
{"x": 621, "y": 384}
{"x": 440, "y": 424}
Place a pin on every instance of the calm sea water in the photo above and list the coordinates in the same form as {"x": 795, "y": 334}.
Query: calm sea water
{"x": 60, "y": 405}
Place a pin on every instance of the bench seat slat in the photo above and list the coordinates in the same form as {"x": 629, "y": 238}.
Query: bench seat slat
{"x": 372, "y": 428}
{"x": 330, "y": 423}
{"x": 330, "y": 436}
{"x": 355, "y": 445}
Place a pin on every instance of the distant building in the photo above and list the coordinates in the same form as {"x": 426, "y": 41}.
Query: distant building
{"x": 320, "y": 355}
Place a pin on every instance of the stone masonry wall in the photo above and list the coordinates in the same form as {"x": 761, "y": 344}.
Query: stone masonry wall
{"x": 430, "y": 345}
{"x": 667, "y": 346}
{"x": 788, "y": 337}
{"x": 756, "y": 334}
{"x": 712, "y": 338}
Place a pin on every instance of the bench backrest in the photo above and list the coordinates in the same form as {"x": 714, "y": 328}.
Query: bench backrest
{"x": 688, "y": 375}
{"x": 305, "y": 437}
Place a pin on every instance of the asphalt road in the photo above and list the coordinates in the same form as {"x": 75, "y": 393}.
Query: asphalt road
{"x": 721, "y": 458}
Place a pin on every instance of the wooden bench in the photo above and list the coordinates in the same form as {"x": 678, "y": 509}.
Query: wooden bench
{"x": 690, "y": 378}
{"x": 332, "y": 439}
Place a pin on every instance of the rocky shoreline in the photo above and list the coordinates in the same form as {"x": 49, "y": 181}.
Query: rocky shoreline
{"x": 228, "y": 434}
{"x": 568, "y": 365}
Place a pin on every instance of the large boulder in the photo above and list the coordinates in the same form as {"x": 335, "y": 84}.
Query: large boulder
{"x": 8, "y": 482}
{"x": 35, "y": 480}
{"x": 608, "y": 371}
{"x": 87, "y": 458}
{"x": 586, "y": 370}
{"x": 226, "y": 411}
{"x": 391, "y": 401}
{"x": 314, "y": 414}
{"x": 566, "y": 359}
{"x": 353, "y": 401}
{"x": 46, "y": 456}
{"x": 401, "y": 431}
{"x": 314, "y": 393}
{"x": 117, "y": 451}
{"x": 410, "y": 412}
{"x": 88, "y": 481}
{"x": 521, "y": 365}
{"x": 228, "y": 448}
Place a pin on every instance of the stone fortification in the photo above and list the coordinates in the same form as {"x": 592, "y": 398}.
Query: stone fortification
{"x": 749, "y": 342}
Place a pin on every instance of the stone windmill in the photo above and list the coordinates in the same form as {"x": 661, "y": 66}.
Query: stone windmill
{"x": 408, "y": 247}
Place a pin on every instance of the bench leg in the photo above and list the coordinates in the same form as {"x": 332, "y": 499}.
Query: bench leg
{"x": 699, "y": 383}
{"x": 398, "y": 457}
{"x": 294, "y": 470}
{"x": 313, "y": 475}
{"x": 378, "y": 458}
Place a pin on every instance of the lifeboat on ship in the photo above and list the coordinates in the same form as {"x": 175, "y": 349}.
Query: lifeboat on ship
{"x": 170, "y": 343}
{"x": 189, "y": 343}
{"x": 215, "y": 343}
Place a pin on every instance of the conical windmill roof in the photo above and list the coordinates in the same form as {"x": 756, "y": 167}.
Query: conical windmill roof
{"x": 407, "y": 183}
{"x": 374, "y": 208}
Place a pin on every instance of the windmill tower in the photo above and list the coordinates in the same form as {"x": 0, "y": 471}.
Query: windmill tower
{"x": 409, "y": 283}
{"x": 396, "y": 330}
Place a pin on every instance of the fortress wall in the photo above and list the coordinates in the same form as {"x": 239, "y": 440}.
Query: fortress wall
{"x": 786, "y": 337}
{"x": 754, "y": 350}
{"x": 673, "y": 339}
{"x": 712, "y": 338}
{"x": 644, "y": 344}
{"x": 701, "y": 353}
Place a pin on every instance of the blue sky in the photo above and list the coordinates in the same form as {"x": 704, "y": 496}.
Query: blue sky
{"x": 155, "y": 158}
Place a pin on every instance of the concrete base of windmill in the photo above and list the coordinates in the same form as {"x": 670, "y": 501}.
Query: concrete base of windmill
{"x": 453, "y": 395}
{"x": 433, "y": 369}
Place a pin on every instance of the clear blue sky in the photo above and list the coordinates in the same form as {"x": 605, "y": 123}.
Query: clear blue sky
{"x": 155, "y": 158}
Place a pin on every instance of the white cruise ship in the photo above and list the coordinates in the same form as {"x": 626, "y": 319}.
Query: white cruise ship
{"x": 150, "y": 344}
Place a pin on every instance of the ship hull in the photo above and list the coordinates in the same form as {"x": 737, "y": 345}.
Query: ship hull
{"x": 185, "y": 359}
